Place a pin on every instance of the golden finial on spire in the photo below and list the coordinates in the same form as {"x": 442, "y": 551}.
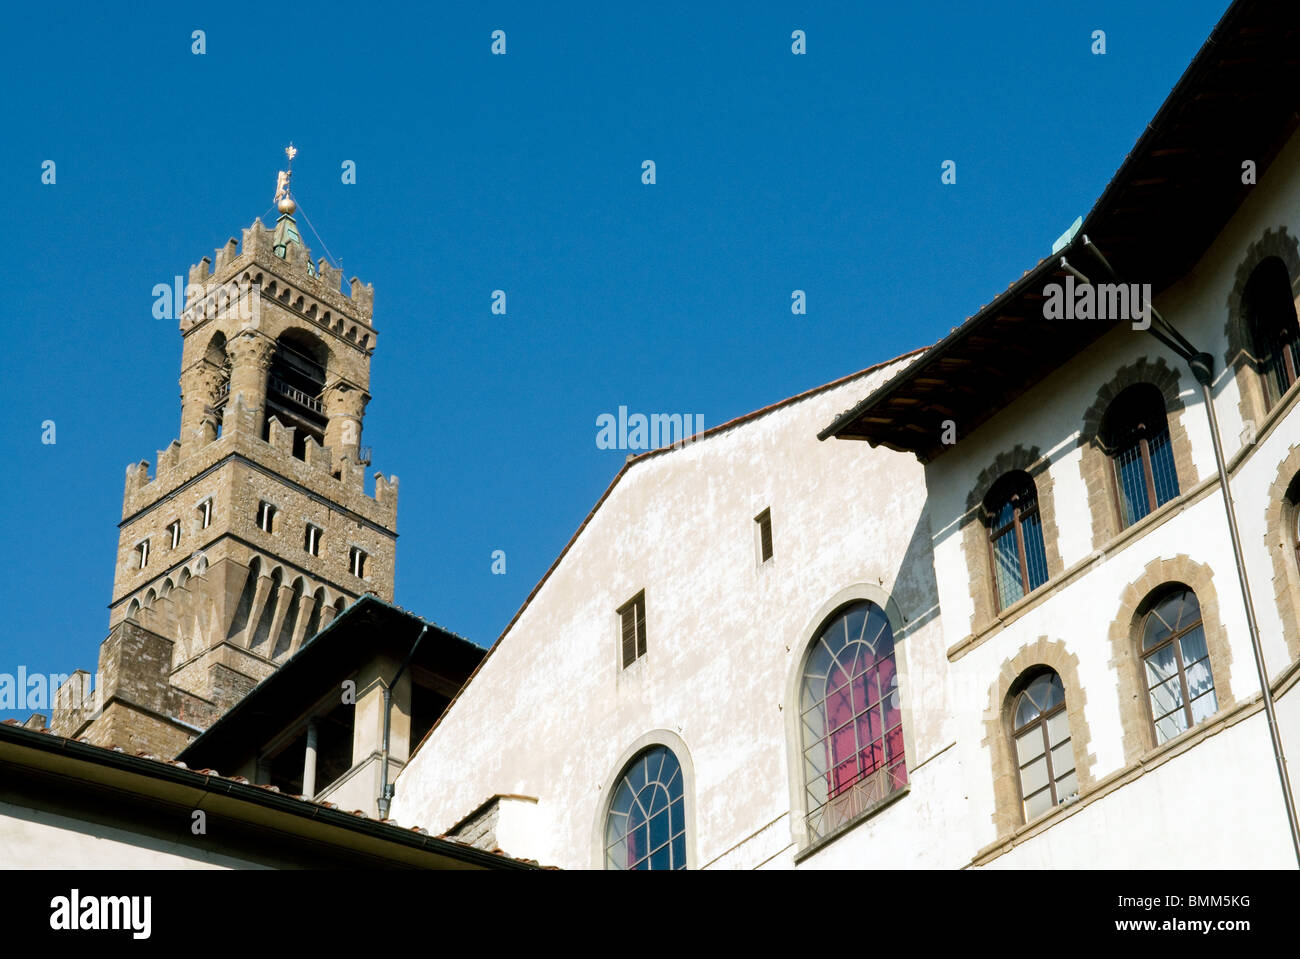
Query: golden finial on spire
{"x": 284, "y": 203}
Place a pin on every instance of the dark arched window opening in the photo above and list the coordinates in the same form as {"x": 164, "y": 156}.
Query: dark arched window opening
{"x": 1135, "y": 434}
{"x": 1016, "y": 546}
{"x": 217, "y": 357}
{"x": 295, "y": 389}
{"x": 1274, "y": 329}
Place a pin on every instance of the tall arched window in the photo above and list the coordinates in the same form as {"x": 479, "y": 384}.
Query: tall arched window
{"x": 851, "y": 719}
{"x": 645, "y": 827}
{"x": 1176, "y": 664}
{"x": 1135, "y": 434}
{"x": 1044, "y": 750}
{"x": 1016, "y": 546}
{"x": 295, "y": 388}
{"x": 1274, "y": 329}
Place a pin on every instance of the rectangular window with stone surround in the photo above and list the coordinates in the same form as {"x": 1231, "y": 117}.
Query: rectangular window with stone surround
{"x": 142, "y": 554}
{"x": 357, "y": 562}
{"x": 266, "y": 517}
{"x": 174, "y": 532}
{"x": 311, "y": 542}
{"x": 205, "y": 514}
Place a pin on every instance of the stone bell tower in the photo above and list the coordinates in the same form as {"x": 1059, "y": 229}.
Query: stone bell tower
{"x": 255, "y": 528}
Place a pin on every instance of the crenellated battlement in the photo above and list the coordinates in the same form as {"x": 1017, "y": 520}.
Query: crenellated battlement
{"x": 317, "y": 470}
{"x": 288, "y": 277}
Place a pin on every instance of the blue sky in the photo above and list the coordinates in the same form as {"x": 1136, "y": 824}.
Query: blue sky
{"x": 522, "y": 172}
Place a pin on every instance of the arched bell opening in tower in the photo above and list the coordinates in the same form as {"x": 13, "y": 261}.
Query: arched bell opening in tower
{"x": 218, "y": 359}
{"x": 295, "y": 388}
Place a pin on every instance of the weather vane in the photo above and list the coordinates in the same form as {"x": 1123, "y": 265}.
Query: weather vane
{"x": 284, "y": 203}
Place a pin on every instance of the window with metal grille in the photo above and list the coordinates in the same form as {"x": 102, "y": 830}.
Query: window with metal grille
{"x": 311, "y": 542}
{"x": 851, "y": 719}
{"x": 266, "y": 517}
{"x": 1176, "y": 664}
{"x": 357, "y": 562}
{"x": 1274, "y": 328}
{"x": 645, "y": 827}
{"x": 174, "y": 531}
{"x": 764, "y": 521}
{"x": 1135, "y": 434}
{"x": 1044, "y": 751}
{"x": 1016, "y": 548}
{"x": 632, "y": 629}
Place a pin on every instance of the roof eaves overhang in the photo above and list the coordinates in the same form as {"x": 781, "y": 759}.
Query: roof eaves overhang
{"x": 360, "y": 632}
{"x": 81, "y": 765}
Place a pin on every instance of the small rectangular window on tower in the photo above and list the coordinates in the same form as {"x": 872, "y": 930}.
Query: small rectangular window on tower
{"x": 357, "y": 562}
{"x": 205, "y": 514}
{"x": 266, "y": 517}
{"x": 632, "y": 629}
{"x": 312, "y": 542}
{"x": 142, "y": 554}
{"x": 764, "y": 521}
{"x": 174, "y": 531}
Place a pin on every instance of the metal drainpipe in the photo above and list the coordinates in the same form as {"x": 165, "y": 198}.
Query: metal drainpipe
{"x": 1202, "y": 367}
{"x": 386, "y": 790}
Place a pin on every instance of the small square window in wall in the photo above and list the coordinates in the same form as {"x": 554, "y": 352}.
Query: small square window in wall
{"x": 357, "y": 562}
{"x": 764, "y": 521}
{"x": 632, "y": 629}
{"x": 311, "y": 543}
{"x": 174, "y": 531}
{"x": 142, "y": 554}
{"x": 205, "y": 514}
{"x": 266, "y": 517}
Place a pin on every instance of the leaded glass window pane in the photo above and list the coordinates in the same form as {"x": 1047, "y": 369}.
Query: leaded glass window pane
{"x": 1177, "y": 665}
{"x": 1136, "y": 435}
{"x": 1035, "y": 552}
{"x": 1044, "y": 750}
{"x": 1162, "y": 467}
{"x": 1131, "y": 477}
{"x": 851, "y": 725}
{"x": 645, "y": 827}
{"x": 1016, "y": 548}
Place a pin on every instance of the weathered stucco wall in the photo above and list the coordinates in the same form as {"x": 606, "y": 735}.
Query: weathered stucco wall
{"x": 552, "y": 714}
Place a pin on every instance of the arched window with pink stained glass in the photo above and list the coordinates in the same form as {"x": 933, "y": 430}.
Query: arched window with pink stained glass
{"x": 851, "y": 719}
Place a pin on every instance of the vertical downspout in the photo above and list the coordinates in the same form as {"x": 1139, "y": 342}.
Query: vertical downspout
{"x": 385, "y": 787}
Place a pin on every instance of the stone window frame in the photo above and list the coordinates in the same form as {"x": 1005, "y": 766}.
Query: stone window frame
{"x": 999, "y": 727}
{"x": 1281, "y": 512}
{"x": 975, "y": 545}
{"x": 1239, "y": 354}
{"x": 1095, "y": 465}
{"x": 799, "y": 650}
{"x": 271, "y": 512}
{"x": 655, "y": 737}
{"x": 1136, "y": 728}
